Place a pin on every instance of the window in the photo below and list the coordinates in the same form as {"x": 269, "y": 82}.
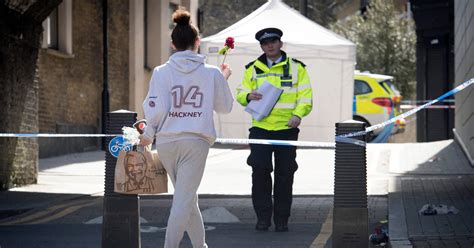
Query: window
{"x": 361, "y": 87}
{"x": 52, "y": 27}
{"x": 57, "y": 34}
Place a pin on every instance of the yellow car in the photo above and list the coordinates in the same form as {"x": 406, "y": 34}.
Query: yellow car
{"x": 388, "y": 84}
{"x": 372, "y": 104}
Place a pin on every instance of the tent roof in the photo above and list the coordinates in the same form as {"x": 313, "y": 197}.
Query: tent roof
{"x": 297, "y": 29}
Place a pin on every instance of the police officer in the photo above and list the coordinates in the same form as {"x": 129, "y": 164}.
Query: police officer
{"x": 282, "y": 123}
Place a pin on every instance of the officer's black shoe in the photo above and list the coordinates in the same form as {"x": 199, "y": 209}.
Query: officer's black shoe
{"x": 262, "y": 225}
{"x": 281, "y": 227}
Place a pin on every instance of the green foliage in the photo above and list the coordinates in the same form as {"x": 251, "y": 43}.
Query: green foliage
{"x": 386, "y": 43}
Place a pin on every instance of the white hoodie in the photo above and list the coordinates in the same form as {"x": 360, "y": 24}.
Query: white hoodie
{"x": 182, "y": 97}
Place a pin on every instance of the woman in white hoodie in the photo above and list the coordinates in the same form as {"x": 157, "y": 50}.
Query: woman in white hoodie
{"x": 183, "y": 95}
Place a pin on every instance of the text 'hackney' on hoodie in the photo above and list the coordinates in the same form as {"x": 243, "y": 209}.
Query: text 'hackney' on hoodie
{"x": 182, "y": 97}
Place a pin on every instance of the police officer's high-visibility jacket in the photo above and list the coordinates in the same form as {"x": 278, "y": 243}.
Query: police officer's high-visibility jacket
{"x": 289, "y": 75}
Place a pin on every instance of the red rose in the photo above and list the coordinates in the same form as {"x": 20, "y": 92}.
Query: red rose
{"x": 229, "y": 42}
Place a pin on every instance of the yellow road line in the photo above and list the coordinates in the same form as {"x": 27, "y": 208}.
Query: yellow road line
{"x": 47, "y": 212}
{"x": 62, "y": 213}
{"x": 325, "y": 233}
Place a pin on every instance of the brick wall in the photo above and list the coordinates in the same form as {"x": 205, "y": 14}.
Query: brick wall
{"x": 70, "y": 87}
{"x": 18, "y": 108}
{"x": 119, "y": 54}
{"x": 464, "y": 70}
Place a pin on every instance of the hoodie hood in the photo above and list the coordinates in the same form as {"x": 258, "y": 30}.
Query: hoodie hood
{"x": 186, "y": 61}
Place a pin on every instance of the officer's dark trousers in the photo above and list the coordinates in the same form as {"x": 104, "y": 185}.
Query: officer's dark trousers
{"x": 285, "y": 166}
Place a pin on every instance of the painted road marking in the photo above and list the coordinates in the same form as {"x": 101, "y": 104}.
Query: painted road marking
{"x": 50, "y": 213}
{"x": 98, "y": 220}
{"x": 218, "y": 215}
{"x": 325, "y": 233}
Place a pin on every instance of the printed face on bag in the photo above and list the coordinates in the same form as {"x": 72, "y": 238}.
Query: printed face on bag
{"x": 135, "y": 166}
{"x": 139, "y": 173}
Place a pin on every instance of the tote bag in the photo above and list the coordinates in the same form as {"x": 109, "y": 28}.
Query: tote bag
{"x": 140, "y": 172}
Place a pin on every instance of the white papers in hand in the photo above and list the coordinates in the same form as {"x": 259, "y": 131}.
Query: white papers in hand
{"x": 261, "y": 108}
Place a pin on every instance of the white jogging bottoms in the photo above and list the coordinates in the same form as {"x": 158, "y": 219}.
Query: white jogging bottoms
{"x": 184, "y": 160}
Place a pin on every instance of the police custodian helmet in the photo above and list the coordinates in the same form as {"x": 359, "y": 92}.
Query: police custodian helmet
{"x": 268, "y": 34}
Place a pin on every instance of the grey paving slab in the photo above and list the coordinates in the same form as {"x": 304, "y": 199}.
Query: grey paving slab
{"x": 442, "y": 222}
{"x": 459, "y": 202}
{"x": 456, "y": 223}
{"x": 397, "y": 217}
{"x": 467, "y": 199}
{"x": 414, "y": 225}
{"x": 449, "y": 230}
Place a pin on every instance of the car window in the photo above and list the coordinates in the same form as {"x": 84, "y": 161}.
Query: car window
{"x": 385, "y": 86}
{"x": 361, "y": 87}
{"x": 393, "y": 87}
{"x": 388, "y": 84}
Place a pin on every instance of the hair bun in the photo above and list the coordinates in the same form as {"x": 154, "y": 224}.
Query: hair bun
{"x": 181, "y": 17}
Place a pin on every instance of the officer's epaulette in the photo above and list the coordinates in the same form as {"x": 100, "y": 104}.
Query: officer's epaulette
{"x": 297, "y": 61}
{"x": 249, "y": 64}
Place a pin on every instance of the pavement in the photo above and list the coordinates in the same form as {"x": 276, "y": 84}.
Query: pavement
{"x": 401, "y": 179}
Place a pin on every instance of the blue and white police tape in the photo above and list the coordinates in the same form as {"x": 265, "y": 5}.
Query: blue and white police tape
{"x": 330, "y": 145}
{"x": 327, "y": 145}
{"x": 218, "y": 140}
{"x": 410, "y": 112}
{"x": 54, "y": 135}
{"x": 424, "y": 101}
{"x": 408, "y": 106}
{"x": 341, "y": 138}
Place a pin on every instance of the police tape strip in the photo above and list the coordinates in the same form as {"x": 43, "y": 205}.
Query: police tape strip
{"x": 424, "y": 101}
{"x": 407, "y": 106}
{"x": 54, "y": 135}
{"x": 218, "y": 140}
{"x": 346, "y": 138}
{"x": 410, "y": 112}
{"x": 330, "y": 145}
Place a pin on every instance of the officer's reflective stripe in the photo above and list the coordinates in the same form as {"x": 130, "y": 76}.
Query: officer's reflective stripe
{"x": 297, "y": 88}
{"x": 241, "y": 88}
{"x": 304, "y": 86}
{"x": 269, "y": 74}
{"x": 285, "y": 105}
{"x": 253, "y": 73}
{"x": 289, "y": 90}
{"x": 294, "y": 72}
{"x": 304, "y": 100}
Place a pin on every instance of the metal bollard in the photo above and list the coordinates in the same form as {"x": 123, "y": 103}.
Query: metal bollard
{"x": 350, "y": 215}
{"x": 121, "y": 217}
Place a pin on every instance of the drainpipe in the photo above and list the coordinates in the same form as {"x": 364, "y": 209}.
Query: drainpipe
{"x": 105, "y": 48}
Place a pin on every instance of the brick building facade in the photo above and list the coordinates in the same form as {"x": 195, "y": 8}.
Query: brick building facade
{"x": 71, "y": 82}
{"x": 71, "y": 68}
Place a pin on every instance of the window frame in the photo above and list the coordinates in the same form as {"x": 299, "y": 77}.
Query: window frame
{"x": 60, "y": 32}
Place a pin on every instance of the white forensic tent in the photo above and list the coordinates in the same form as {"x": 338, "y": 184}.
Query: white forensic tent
{"x": 329, "y": 59}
